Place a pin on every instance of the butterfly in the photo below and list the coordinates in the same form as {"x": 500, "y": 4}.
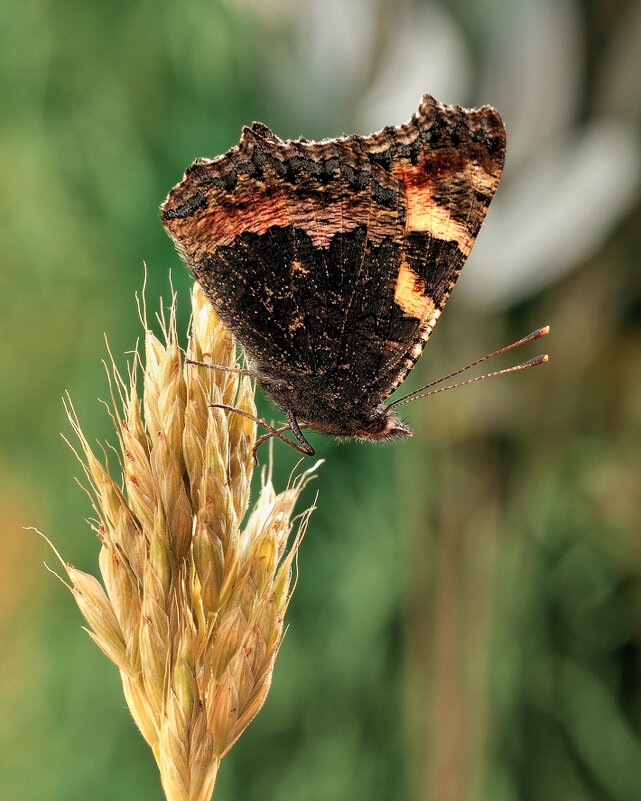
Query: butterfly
{"x": 332, "y": 261}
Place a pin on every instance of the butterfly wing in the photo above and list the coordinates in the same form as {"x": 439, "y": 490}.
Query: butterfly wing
{"x": 330, "y": 261}
{"x": 448, "y": 172}
{"x": 278, "y": 231}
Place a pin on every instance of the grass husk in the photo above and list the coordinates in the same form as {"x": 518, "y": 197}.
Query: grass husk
{"x": 191, "y": 606}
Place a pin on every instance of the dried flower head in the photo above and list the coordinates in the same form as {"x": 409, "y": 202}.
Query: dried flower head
{"x": 190, "y": 607}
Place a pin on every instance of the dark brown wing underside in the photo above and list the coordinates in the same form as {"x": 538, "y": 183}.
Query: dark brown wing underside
{"x": 331, "y": 261}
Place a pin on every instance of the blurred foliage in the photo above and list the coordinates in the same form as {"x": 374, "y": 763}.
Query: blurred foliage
{"x": 467, "y": 621}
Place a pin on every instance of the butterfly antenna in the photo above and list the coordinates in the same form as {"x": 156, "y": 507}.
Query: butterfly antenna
{"x": 420, "y": 392}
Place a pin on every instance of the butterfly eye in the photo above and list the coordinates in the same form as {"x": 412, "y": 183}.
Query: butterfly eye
{"x": 384, "y": 426}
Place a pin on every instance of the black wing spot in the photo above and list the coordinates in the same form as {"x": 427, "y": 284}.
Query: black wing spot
{"x": 188, "y": 207}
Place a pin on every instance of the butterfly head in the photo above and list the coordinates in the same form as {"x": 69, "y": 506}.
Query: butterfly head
{"x": 385, "y": 425}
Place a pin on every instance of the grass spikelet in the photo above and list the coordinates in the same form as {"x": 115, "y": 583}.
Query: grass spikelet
{"x": 191, "y": 607}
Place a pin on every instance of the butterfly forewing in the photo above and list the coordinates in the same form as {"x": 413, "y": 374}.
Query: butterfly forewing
{"x": 331, "y": 261}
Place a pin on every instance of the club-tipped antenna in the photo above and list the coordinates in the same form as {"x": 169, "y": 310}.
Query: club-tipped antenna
{"x": 541, "y": 359}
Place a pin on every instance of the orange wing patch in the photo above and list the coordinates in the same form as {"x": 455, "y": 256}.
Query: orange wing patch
{"x": 409, "y": 294}
{"x": 423, "y": 214}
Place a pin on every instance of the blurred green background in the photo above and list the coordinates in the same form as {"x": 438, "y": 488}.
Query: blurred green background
{"x": 467, "y": 624}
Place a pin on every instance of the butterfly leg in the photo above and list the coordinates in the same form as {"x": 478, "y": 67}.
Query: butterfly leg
{"x": 269, "y": 435}
{"x": 304, "y": 447}
{"x": 239, "y": 370}
{"x": 293, "y": 424}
